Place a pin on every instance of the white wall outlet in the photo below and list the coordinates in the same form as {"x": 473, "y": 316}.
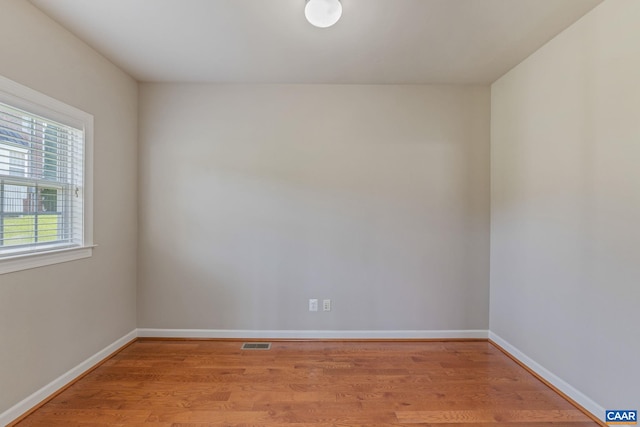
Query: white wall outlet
{"x": 326, "y": 305}
{"x": 313, "y": 304}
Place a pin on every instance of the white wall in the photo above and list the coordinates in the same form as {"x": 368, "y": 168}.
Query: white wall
{"x": 255, "y": 198}
{"x": 565, "y": 205}
{"x": 53, "y": 318}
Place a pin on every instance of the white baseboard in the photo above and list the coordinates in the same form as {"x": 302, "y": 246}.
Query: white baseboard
{"x": 559, "y": 383}
{"x": 34, "y": 399}
{"x": 302, "y": 334}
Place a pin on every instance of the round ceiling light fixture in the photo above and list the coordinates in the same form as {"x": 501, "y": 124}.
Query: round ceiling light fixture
{"x": 323, "y": 13}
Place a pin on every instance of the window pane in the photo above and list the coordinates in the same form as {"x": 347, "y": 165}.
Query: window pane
{"x": 31, "y": 215}
{"x": 49, "y": 198}
{"x": 15, "y": 199}
{"x": 19, "y": 230}
{"x": 47, "y": 228}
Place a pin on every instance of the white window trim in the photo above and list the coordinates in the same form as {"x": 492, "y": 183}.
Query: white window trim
{"x": 20, "y": 96}
{"x": 41, "y": 259}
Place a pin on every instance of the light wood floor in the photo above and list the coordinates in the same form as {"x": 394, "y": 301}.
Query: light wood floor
{"x": 198, "y": 383}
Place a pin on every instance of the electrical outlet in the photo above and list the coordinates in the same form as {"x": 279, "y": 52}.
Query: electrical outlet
{"x": 326, "y": 305}
{"x": 313, "y": 304}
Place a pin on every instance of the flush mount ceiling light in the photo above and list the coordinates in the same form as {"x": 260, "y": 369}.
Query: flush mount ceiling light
{"x": 323, "y": 13}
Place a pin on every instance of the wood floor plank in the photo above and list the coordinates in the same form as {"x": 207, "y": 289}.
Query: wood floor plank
{"x": 95, "y": 415}
{"x": 224, "y": 417}
{"x": 489, "y": 416}
{"x": 156, "y": 383}
{"x": 282, "y": 396}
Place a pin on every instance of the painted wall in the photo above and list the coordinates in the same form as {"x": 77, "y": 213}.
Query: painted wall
{"x": 254, "y": 199}
{"x": 565, "y": 205}
{"x": 44, "y": 311}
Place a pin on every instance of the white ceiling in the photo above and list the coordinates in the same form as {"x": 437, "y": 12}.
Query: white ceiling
{"x": 269, "y": 41}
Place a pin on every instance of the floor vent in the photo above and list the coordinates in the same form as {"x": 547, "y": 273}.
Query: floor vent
{"x": 256, "y": 346}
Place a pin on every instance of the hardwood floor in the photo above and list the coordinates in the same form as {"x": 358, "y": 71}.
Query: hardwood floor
{"x": 197, "y": 383}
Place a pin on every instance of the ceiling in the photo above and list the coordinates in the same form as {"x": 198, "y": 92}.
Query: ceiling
{"x": 269, "y": 41}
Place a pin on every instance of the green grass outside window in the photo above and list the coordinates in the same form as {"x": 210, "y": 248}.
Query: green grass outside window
{"x": 21, "y": 230}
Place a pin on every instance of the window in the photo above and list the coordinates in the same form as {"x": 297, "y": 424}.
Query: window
{"x": 17, "y": 161}
{"x": 45, "y": 191}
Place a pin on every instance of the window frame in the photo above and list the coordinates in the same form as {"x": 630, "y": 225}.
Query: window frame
{"x": 32, "y": 101}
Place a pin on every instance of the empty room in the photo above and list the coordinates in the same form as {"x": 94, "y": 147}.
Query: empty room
{"x": 319, "y": 212}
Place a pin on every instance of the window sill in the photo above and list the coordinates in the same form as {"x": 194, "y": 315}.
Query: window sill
{"x": 34, "y": 260}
